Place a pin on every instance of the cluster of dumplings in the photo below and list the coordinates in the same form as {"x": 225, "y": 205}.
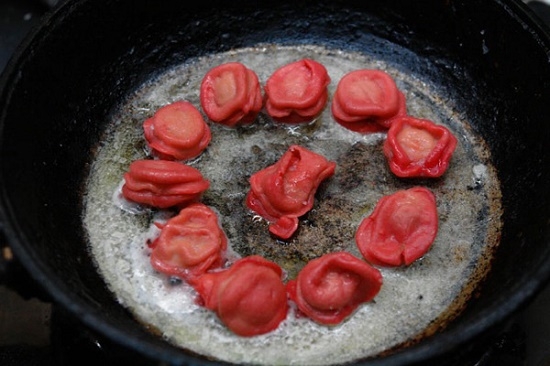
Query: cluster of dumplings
{"x": 249, "y": 295}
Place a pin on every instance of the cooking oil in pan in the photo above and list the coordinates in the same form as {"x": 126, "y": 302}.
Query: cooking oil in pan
{"x": 414, "y": 301}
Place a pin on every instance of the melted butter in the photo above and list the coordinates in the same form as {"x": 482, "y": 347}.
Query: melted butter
{"x": 412, "y": 299}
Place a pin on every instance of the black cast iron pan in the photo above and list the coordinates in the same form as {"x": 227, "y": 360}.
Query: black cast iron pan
{"x": 490, "y": 60}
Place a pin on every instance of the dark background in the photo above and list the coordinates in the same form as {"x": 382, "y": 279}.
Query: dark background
{"x": 31, "y": 328}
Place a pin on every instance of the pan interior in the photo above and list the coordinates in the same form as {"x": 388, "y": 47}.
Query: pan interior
{"x": 414, "y": 301}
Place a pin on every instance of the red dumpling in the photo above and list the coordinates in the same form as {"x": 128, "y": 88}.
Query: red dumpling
{"x": 249, "y": 297}
{"x": 297, "y": 92}
{"x": 401, "y": 228}
{"x": 163, "y": 183}
{"x": 230, "y": 94}
{"x": 418, "y": 148}
{"x": 177, "y": 131}
{"x": 366, "y": 101}
{"x": 328, "y": 289}
{"x": 285, "y": 191}
{"x": 190, "y": 243}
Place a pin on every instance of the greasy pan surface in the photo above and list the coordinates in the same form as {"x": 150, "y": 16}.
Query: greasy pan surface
{"x": 491, "y": 63}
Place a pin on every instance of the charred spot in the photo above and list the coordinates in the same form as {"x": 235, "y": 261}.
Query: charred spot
{"x": 351, "y": 164}
{"x": 175, "y": 281}
{"x": 256, "y": 150}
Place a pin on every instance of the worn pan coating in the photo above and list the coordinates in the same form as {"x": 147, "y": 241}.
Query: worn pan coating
{"x": 490, "y": 60}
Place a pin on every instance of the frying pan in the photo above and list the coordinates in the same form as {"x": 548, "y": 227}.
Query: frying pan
{"x": 490, "y": 59}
